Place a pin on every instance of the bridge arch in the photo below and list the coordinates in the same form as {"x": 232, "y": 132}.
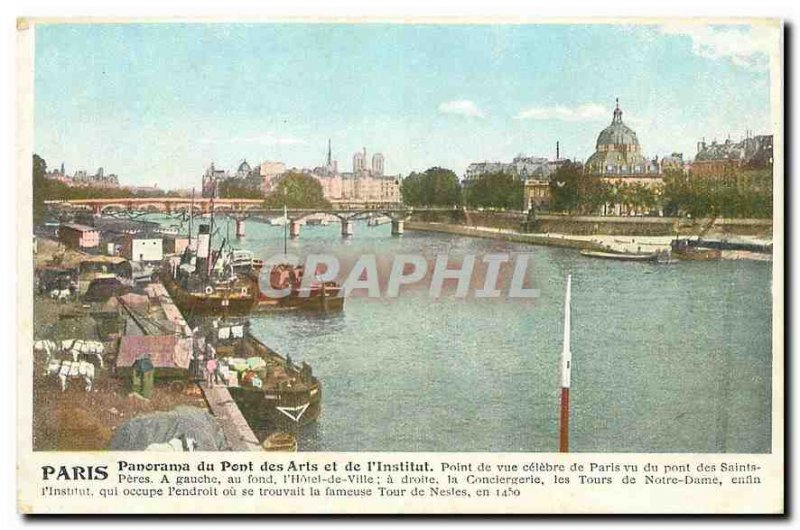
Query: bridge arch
{"x": 106, "y": 207}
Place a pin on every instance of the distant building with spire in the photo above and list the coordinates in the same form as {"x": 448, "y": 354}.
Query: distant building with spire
{"x": 82, "y": 178}
{"x": 364, "y": 185}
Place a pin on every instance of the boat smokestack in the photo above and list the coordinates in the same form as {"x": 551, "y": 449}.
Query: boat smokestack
{"x": 566, "y": 372}
{"x": 203, "y": 246}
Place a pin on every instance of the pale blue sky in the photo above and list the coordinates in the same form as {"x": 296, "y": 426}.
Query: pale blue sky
{"x": 158, "y": 102}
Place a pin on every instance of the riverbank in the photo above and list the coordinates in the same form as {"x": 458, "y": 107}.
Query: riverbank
{"x": 594, "y": 225}
{"x": 504, "y": 234}
{"x": 617, "y": 243}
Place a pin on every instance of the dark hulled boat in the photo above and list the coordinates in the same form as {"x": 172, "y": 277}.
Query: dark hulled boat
{"x": 272, "y": 393}
{"x": 205, "y": 283}
{"x": 685, "y": 250}
{"x": 317, "y": 297}
{"x": 620, "y": 256}
{"x": 194, "y": 298}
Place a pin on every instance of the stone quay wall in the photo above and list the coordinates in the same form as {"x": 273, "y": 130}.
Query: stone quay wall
{"x": 596, "y": 225}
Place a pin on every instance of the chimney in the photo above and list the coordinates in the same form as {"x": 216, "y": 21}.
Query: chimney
{"x": 558, "y": 151}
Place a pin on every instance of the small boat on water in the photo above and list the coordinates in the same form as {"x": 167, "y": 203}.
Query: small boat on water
{"x": 280, "y": 441}
{"x": 317, "y": 221}
{"x": 378, "y": 220}
{"x": 272, "y": 392}
{"x": 685, "y": 250}
{"x": 318, "y": 296}
{"x": 278, "y": 221}
{"x": 623, "y": 256}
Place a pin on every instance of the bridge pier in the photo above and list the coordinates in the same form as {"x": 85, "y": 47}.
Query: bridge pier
{"x": 294, "y": 229}
{"x": 347, "y": 228}
{"x": 239, "y": 228}
{"x": 398, "y": 227}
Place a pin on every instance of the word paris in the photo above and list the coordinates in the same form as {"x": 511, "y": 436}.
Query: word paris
{"x": 491, "y": 276}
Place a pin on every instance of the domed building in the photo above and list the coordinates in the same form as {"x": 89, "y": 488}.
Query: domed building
{"x": 618, "y": 153}
{"x": 619, "y": 162}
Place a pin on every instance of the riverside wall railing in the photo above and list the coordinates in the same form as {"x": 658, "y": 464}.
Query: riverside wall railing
{"x": 594, "y": 225}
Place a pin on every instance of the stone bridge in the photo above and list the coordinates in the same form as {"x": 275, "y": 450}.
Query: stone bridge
{"x": 243, "y": 209}
{"x": 158, "y": 204}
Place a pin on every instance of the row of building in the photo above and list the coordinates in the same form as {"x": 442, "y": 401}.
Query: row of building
{"x": 82, "y": 178}
{"x": 136, "y": 241}
{"x": 618, "y": 161}
{"x": 366, "y": 184}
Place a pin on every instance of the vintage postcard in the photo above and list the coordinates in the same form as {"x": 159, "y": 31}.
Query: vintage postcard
{"x": 400, "y": 266}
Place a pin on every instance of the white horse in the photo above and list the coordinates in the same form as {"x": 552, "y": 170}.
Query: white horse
{"x": 61, "y": 294}
{"x": 77, "y": 347}
{"x": 71, "y": 370}
{"x": 179, "y": 443}
{"x": 48, "y": 347}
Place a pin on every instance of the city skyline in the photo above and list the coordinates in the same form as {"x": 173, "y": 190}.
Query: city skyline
{"x": 145, "y": 100}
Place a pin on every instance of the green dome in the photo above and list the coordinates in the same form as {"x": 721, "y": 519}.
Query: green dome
{"x": 618, "y": 151}
{"x": 617, "y": 134}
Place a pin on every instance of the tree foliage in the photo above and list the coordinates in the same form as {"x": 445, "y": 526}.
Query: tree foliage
{"x": 49, "y": 189}
{"x": 434, "y": 187}
{"x": 565, "y": 184}
{"x": 496, "y": 190}
{"x": 731, "y": 195}
{"x": 39, "y": 187}
{"x": 234, "y": 189}
{"x": 297, "y": 190}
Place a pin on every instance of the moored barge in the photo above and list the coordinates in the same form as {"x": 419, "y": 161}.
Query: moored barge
{"x": 270, "y": 390}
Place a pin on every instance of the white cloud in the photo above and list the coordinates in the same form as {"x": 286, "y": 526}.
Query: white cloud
{"x": 461, "y": 107}
{"x": 263, "y": 139}
{"x": 588, "y": 112}
{"x": 746, "y": 46}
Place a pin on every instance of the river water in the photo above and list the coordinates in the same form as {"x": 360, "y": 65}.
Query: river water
{"x": 666, "y": 358}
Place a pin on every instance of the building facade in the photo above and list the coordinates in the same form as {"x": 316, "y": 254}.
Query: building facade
{"x": 534, "y": 171}
{"x": 618, "y": 161}
{"x": 137, "y": 247}
{"x": 744, "y": 165}
{"x": 78, "y": 236}
{"x": 363, "y": 186}
{"x": 82, "y": 178}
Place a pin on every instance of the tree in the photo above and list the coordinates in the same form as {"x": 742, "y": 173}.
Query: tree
{"x": 732, "y": 193}
{"x": 435, "y": 187}
{"x": 565, "y": 185}
{"x": 297, "y": 190}
{"x": 496, "y": 190}
{"x": 233, "y": 189}
{"x": 39, "y": 187}
{"x": 593, "y": 194}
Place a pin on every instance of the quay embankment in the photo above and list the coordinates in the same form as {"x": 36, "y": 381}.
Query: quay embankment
{"x": 506, "y": 234}
{"x": 604, "y": 242}
{"x": 586, "y": 225}
{"x": 77, "y": 419}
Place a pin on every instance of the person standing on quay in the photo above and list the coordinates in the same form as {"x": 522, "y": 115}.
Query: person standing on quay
{"x": 211, "y": 371}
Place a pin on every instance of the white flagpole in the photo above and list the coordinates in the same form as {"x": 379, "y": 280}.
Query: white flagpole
{"x": 566, "y": 371}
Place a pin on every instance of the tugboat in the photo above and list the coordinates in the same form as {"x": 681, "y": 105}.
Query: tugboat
{"x": 687, "y": 249}
{"x": 272, "y": 392}
{"x": 204, "y": 283}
